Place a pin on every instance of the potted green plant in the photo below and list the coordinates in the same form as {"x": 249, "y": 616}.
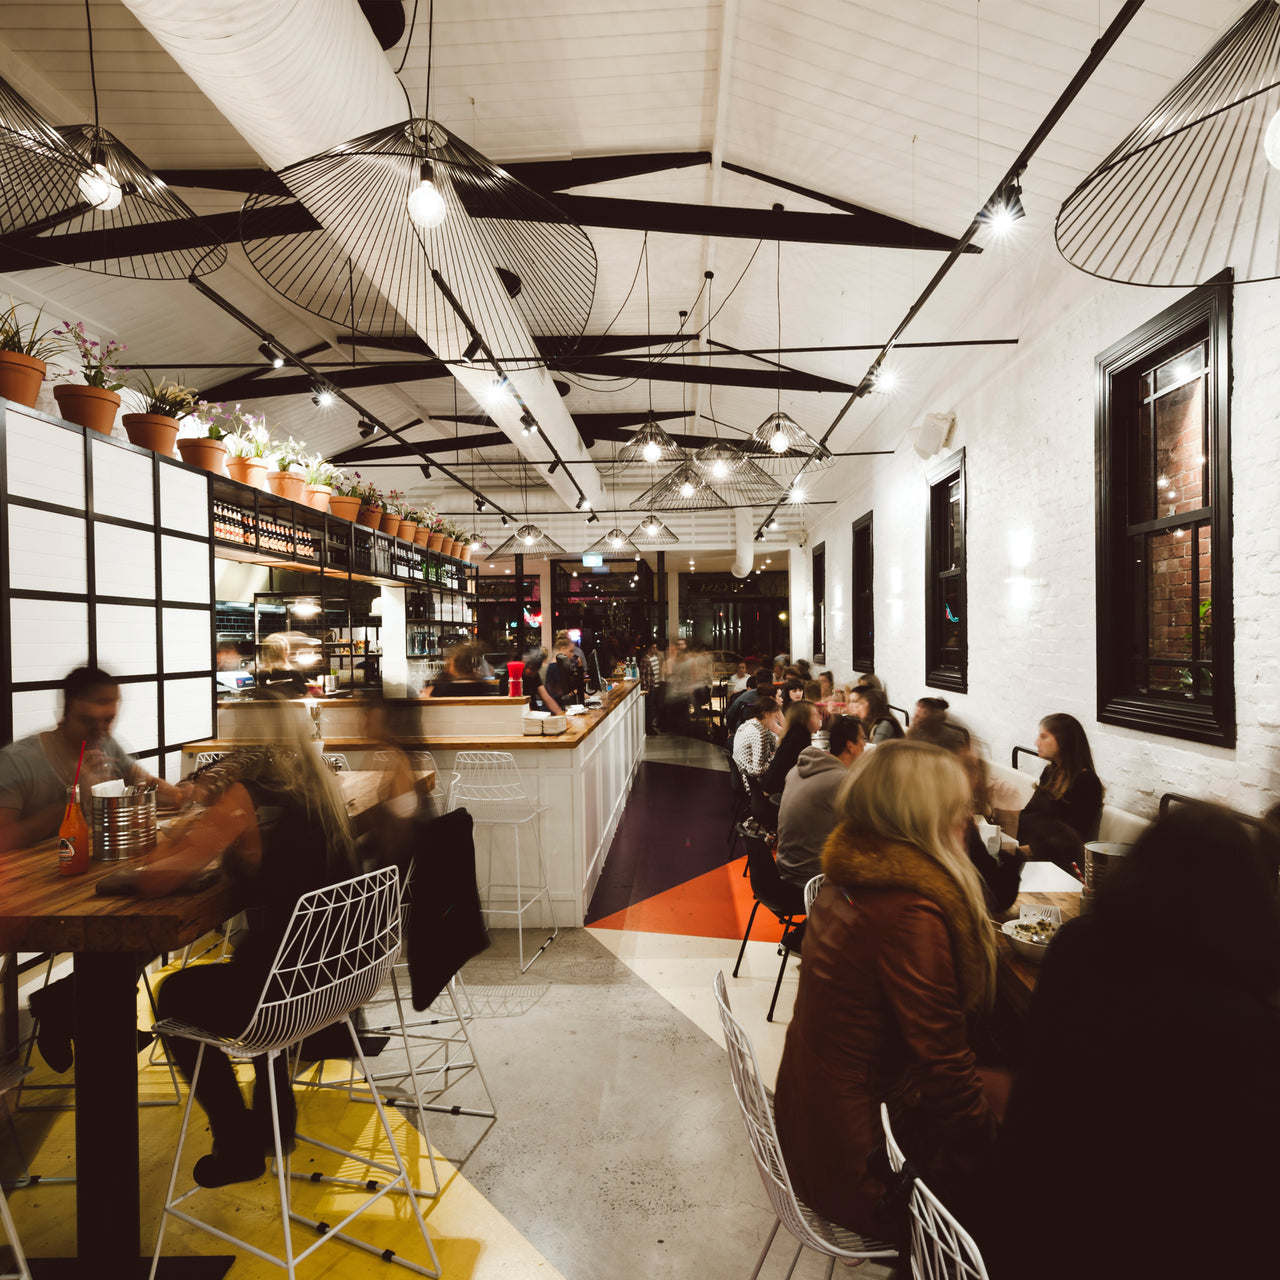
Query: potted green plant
{"x": 203, "y": 448}
{"x": 392, "y": 509}
{"x": 344, "y": 502}
{"x": 24, "y": 352}
{"x": 93, "y": 402}
{"x": 248, "y": 446}
{"x": 469, "y": 541}
{"x": 288, "y": 479}
{"x": 435, "y": 539}
{"x": 408, "y": 523}
{"x": 319, "y": 476}
{"x": 155, "y": 425}
{"x": 424, "y": 516}
{"x": 370, "y": 514}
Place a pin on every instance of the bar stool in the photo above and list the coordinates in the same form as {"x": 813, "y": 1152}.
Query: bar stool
{"x": 489, "y": 786}
{"x": 9, "y": 1076}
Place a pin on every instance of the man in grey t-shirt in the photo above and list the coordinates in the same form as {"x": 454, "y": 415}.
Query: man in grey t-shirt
{"x": 35, "y": 772}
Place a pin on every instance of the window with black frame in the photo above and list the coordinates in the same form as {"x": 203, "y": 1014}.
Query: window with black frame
{"x": 946, "y": 628}
{"x": 820, "y": 602}
{"x": 864, "y": 618}
{"x": 1164, "y": 500}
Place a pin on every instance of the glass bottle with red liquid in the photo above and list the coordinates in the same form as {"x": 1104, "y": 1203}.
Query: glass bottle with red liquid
{"x": 73, "y": 837}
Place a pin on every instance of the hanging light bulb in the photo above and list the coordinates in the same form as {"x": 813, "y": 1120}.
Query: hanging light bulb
{"x": 528, "y": 540}
{"x": 686, "y": 489}
{"x": 651, "y": 452}
{"x": 100, "y": 189}
{"x": 615, "y": 542}
{"x": 720, "y": 468}
{"x": 778, "y": 442}
{"x": 652, "y": 527}
{"x": 427, "y": 208}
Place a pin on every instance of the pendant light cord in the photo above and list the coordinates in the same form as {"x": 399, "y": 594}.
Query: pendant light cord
{"x": 431, "y": 55}
{"x": 93, "y": 75}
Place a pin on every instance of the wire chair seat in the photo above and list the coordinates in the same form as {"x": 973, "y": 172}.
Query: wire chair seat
{"x": 337, "y": 951}
{"x": 811, "y": 890}
{"x": 10, "y": 1076}
{"x": 806, "y": 1226}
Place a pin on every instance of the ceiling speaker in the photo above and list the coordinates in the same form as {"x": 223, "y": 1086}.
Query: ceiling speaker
{"x": 932, "y": 435}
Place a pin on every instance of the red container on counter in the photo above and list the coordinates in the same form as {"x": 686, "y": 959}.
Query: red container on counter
{"x": 515, "y": 679}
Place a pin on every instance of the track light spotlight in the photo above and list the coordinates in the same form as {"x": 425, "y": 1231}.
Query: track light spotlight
{"x": 551, "y": 470}
{"x": 582, "y": 503}
{"x": 366, "y": 429}
{"x": 1003, "y": 210}
{"x": 321, "y": 396}
{"x": 592, "y": 518}
{"x": 528, "y": 423}
{"x": 505, "y": 522}
{"x": 425, "y": 468}
{"x": 479, "y": 504}
{"x": 271, "y": 355}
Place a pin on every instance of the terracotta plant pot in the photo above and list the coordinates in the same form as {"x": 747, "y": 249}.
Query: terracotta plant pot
{"x": 420, "y": 535}
{"x": 370, "y": 517}
{"x": 344, "y": 507}
{"x": 154, "y": 431}
{"x": 450, "y": 548}
{"x": 435, "y": 542}
{"x": 466, "y": 553}
{"x": 407, "y": 529}
{"x": 390, "y": 523}
{"x": 286, "y": 484}
{"x": 250, "y": 471}
{"x": 92, "y": 407}
{"x": 20, "y": 377}
{"x": 318, "y": 496}
{"x": 208, "y": 455}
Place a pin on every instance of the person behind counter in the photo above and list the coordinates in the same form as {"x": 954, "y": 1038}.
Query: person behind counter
{"x": 35, "y": 772}
{"x": 275, "y": 815}
{"x": 277, "y": 672}
{"x": 536, "y": 687}
{"x": 461, "y": 677}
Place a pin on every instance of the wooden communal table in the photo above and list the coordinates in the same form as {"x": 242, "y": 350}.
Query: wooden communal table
{"x": 41, "y": 910}
{"x": 1015, "y": 976}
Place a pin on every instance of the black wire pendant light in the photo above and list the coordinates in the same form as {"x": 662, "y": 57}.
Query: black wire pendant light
{"x": 111, "y": 214}
{"x": 528, "y": 540}
{"x": 1190, "y": 190}
{"x": 36, "y": 169}
{"x": 682, "y": 489}
{"x": 408, "y": 230}
{"x": 651, "y": 532}
{"x": 651, "y": 445}
{"x": 614, "y": 543}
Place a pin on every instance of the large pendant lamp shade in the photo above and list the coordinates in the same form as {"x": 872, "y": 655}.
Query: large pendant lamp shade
{"x": 528, "y": 540}
{"x": 682, "y": 489}
{"x": 407, "y": 230}
{"x": 37, "y": 171}
{"x": 651, "y": 532}
{"x": 651, "y": 444}
{"x": 122, "y": 220}
{"x": 780, "y": 446}
{"x": 614, "y": 543}
{"x": 1190, "y": 190}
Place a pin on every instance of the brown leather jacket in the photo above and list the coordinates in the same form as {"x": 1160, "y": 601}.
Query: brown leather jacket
{"x": 891, "y": 966}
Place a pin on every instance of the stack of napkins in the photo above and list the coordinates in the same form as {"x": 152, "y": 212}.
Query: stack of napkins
{"x": 543, "y": 722}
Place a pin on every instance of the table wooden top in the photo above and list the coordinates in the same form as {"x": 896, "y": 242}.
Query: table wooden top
{"x": 1017, "y": 976}
{"x": 41, "y": 910}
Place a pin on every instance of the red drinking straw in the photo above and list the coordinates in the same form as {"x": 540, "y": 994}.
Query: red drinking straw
{"x": 75, "y": 782}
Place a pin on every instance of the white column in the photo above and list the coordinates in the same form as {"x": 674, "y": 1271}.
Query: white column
{"x": 395, "y": 655}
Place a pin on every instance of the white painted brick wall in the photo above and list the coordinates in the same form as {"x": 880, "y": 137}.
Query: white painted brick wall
{"x": 1025, "y": 418}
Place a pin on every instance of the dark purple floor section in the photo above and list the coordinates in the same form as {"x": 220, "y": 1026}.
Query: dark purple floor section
{"x": 675, "y": 827}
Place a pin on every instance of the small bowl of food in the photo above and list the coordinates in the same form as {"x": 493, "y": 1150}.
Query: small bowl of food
{"x": 1031, "y": 935}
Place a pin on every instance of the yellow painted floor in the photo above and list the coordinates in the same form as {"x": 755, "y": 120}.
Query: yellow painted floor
{"x": 472, "y": 1239}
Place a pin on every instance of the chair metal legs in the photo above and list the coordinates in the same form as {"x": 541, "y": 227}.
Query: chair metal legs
{"x": 543, "y": 890}
{"x": 788, "y": 923}
{"x": 742, "y": 951}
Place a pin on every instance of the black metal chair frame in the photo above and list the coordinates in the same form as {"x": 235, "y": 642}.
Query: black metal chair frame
{"x": 785, "y": 901}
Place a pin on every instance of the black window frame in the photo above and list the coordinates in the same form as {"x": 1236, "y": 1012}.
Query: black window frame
{"x": 1205, "y": 313}
{"x": 862, "y": 603}
{"x": 939, "y": 674}
{"x": 818, "y": 583}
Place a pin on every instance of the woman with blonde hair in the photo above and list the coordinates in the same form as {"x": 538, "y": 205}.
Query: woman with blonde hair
{"x": 898, "y": 955}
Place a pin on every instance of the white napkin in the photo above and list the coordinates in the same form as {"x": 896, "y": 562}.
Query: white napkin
{"x": 108, "y": 789}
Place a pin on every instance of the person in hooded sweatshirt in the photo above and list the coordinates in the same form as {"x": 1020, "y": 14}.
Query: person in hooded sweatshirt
{"x": 807, "y": 814}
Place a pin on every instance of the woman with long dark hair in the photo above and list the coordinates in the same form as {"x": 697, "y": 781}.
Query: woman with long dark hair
{"x": 871, "y": 706}
{"x": 1066, "y": 806}
{"x": 1144, "y": 1122}
{"x": 802, "y": 720}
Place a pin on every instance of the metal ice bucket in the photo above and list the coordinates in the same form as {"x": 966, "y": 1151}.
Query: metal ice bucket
{"x": 123, "y": 826}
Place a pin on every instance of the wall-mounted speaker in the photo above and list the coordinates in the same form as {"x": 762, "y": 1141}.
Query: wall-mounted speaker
{"x": 933, "y": 433}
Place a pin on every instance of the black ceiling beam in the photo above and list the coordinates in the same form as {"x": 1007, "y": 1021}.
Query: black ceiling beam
{"x": 550, "y": 176}
{"x": 716, "y": 376}
{"x": 253, "y": 386}
{"x": 871, "y": 230}
{"x": 589, "y": 345}
{"x": 242, "y": 181}
{"x": 595, "y": 423}
{"x": 386, "y": 453}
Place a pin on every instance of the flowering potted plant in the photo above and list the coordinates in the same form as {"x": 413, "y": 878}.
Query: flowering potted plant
{"x": 288, "y": 479}
{"x": 435, "y": 539}
{"x": 248, "y": 447}
{"x": 24, "y": 350}
{"x": 203, "y": 448}
{"x": 469, "y": 540}
{"x": 392, "y": 510}
{"x": 319, "y": 476}
{"x": 93, "y": 402}
{"x": 408, "y": 523}
{"x": 370, "y": 514}
{"x": 344, "y": 501}
{"x": 424, "y": 515}
{"x": 155, "y": 425}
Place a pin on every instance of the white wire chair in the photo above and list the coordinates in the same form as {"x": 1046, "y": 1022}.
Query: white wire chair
{"x": 810, "y": 1230}
{"x": 10, "y": 1076}
{"x": 208, "y": 757}
{"x": 941, "y": 1249}
{"x": 811, "y": 890}
{"x": 335, "y": 955}
{"x": 490, "y": 788}
{"x": 337, "y": 763}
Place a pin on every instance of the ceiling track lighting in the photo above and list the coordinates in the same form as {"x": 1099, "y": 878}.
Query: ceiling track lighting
{"x": 321, "y": 395}
{"x": 505, "y": 522}
{"x": 425, "y": 468}
{"x": 528, "y": 423}
{"x": 479, "y": 504}
{"x": 555, "y": 463}
{"x": 364, "y": 429}
{"x": 1003, "y": 209}
{"x": 582, "y": 503}
{"x": 592, "y": 518}
{"x": 271, "y": 355}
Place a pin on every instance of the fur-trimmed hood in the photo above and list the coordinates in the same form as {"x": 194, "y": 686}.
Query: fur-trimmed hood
{"x": 861, "y": 860}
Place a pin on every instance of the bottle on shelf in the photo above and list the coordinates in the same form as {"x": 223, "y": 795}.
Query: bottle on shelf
{"x": 73, "y": 837}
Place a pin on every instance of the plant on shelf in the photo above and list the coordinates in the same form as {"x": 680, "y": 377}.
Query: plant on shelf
{"x": 370, "y": 514}
{"x": 344, "y": 500}
{"x": 435, "y": 531}
{"x": 392, "y": 511}
{"x": 204, "y": 447}
{"x": 24, "y": 352}
{"x": 247, "y": 450}
{"x": 155, "y": 425}
{"x": 318, "y": 475}
{"x": 287, "y": 480}
{"x": 93, "y": 402}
